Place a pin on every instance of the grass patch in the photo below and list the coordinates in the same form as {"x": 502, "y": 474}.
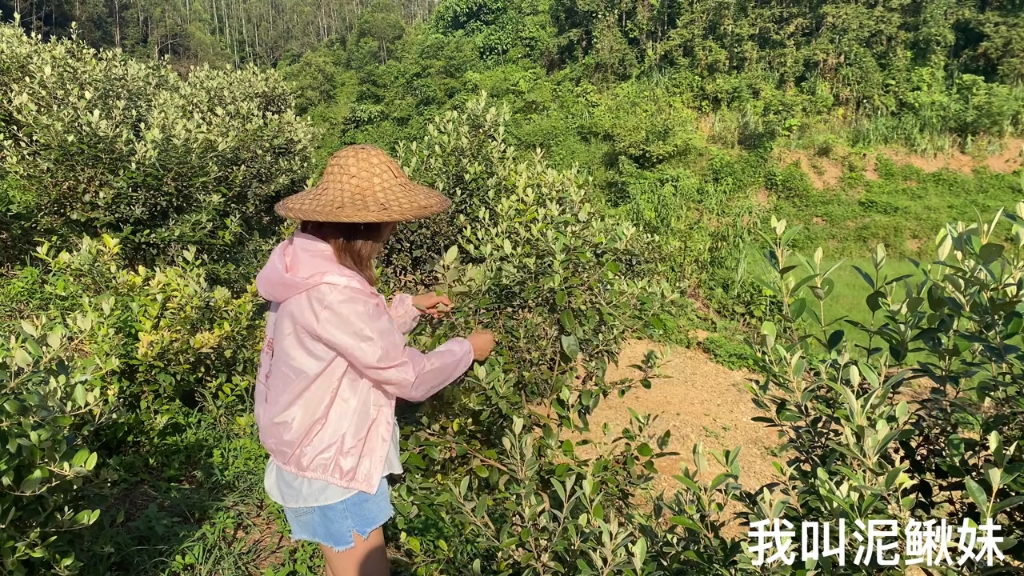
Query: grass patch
{"x": 847, "y": 300}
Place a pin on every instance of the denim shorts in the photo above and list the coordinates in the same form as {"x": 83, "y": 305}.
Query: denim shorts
{"x": 333, "y": 524}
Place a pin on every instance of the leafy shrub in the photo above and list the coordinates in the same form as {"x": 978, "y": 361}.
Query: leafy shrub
{"x": 644, "y": 124}
{"x": 314, "y": 78}
{"x": 104, "y": 358}
{"x": 536, "y": 259}
{"x": 492, "y": 464}
{"x": 99, "y": 143}
{"x": 952, "y": 328}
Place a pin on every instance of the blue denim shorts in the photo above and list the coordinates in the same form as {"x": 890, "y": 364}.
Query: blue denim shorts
{"x": 333, "y": 525}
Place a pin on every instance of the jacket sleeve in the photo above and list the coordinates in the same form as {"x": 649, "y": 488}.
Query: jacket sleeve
{"x": 358, "y": 326}
{"x": 404, "y": 313}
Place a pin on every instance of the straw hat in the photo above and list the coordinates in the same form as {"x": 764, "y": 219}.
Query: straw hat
{"x": 363, "y": 184}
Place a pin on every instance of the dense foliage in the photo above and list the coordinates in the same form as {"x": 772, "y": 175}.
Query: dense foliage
{"x": 606, "y": 161}
{"x": 919, "y": 421}
{"x": 125, "y": 382}
{"x": 98, "y": 143}
{"x": 681, "y": 115}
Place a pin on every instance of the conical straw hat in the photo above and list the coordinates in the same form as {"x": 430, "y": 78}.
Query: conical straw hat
{"x": 363, "y": 184}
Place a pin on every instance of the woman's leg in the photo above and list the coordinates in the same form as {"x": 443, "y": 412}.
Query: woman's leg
{"x": 368, "y": 557}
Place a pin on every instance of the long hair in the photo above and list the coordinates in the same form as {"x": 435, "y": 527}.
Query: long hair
{"x": 355, "y": 245}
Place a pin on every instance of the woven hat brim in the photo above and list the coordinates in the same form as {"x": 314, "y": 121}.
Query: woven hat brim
{"x": 317, "y": 204}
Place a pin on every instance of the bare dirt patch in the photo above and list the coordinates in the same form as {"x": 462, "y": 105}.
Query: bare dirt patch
{"x": 955, "y": 160}
{"x": 826, "y": 173}
{"x": 823, "y": 172}
{"x": 871, "y": 169}
{"x": 1008, "y": 160}
{"x": 697, "y": 400}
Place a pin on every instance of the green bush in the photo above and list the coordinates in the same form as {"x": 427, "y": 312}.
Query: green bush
{"x": 492, "y": 471}
{"x": 102, "y": 359}
{"x": 537, "y": 259}
{"x": 953, "y": 329}
{"x": 645, "y": 125}
{"x": 94, "y": 143}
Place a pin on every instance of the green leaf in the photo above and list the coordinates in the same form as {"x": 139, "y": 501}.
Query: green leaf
{"x": 835, "y": 339}
{"x": 890, "y": 478}
{"x": 22, "y": 359}
{"x": 568, "y": 320}
{"x": 685, "y": 522}
{"x": 769, "y": 331}
{"x": 14, "y": 407}
{"x": 451, "y": 255}
{"x": 865, "y": 277}
{"x": 481, "y": 471}
{"x": 571, "y": 346}
{"x": 640, "y": 550}
{"x": 33, "y": 481}
{"x": 82, "y": 518}
{"x": 29, "y": 328}
{"x": 644, "y": 450}
{"x": 1007, "y": 503}
{"x": 902, "y": 409}
{"x": 991, "y": 252}
{"x": 977, "y": 494}
{"x": 797, "y": 309}
{"x": 827, "y": 286}
{"x": 79, "y": 395}
{"x": 874, "y": 300}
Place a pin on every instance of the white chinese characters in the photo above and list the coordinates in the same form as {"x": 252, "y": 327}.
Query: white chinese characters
{"x": 929, "y": 543}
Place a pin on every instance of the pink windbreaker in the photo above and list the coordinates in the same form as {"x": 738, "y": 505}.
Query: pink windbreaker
{"x": 334, "y": 359}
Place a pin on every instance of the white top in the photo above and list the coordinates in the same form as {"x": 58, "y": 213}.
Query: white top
{"x": 293, "y": 491}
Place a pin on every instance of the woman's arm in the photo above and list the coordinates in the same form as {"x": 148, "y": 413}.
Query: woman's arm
{"x": 358, "y": 326}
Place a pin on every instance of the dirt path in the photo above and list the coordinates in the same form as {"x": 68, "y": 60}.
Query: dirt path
{"x": 697, "y": 400}
{"x": 827, "y": 172}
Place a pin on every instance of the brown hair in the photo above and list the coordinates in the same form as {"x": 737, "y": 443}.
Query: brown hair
{"x": 355, "y": 245}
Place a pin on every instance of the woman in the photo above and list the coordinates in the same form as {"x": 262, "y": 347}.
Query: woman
{"x": 335, "y": 358}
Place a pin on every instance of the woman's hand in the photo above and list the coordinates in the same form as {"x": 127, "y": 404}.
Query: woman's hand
{"x": 432, "y": 304}
{"x": 482, "y": 342}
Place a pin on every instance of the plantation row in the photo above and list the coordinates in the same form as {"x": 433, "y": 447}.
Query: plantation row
{"x": 136, "y": 205}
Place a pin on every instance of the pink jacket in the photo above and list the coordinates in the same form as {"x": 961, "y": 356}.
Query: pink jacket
{"x": 334, "y": 359}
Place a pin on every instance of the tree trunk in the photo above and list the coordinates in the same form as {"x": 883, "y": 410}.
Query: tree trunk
{"x": 245, "y": 35}
{"x": 117, "y": 24}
